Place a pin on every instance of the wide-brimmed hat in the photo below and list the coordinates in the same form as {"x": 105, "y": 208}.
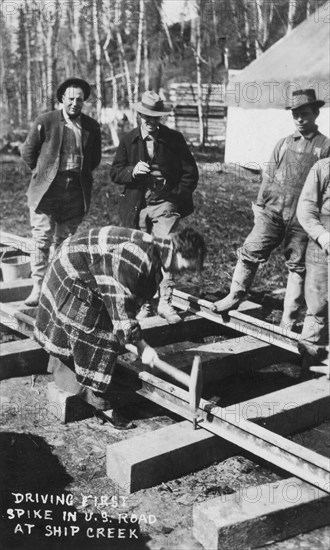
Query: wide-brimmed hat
{"x": 151, "y": 104}
{"x": 79, "y": 82}
{"x": 299, "y": 98}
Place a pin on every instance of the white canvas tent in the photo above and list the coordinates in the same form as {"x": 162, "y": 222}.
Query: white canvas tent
{"x": 256, "y": 96}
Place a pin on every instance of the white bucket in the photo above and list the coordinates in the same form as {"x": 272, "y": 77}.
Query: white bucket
{"x": 15, "y": 267}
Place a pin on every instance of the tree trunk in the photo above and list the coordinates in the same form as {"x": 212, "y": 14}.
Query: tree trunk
{"x": 264, "y": 10}
{"x": 28, "y": 65}
{"x": 139, "y": 52}
{"x": 292, "y": 14}
{"x": 50, "y": 28}
{"x": 241, "y": 33}
{"x": 4, "y": 107}
{"x": 146, "y": 57}
{"x": 199, "y": 77}
{"x": 111, "y": 70}
{"x": 98, "y": 77}
{"x": 126, "y": 69}
{"x": 73, "y": 13}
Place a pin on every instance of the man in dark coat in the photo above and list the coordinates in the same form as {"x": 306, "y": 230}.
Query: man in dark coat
{"x": 62, "y": 149}
{"x": 91, "y": 293}
{"x": 159, "y": 173}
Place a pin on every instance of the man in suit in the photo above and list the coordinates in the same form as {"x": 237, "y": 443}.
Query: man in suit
{"x": 159, "y": 173}
{"x": 62, "y": 149}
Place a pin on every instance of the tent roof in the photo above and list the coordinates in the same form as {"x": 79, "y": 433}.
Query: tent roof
{"x": 299, "y": 60}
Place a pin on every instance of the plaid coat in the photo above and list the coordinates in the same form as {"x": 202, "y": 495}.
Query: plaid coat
{"x": 92, "y": 290}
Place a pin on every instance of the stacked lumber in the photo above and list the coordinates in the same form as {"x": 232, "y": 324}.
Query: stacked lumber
{"x": 183, "y": 97}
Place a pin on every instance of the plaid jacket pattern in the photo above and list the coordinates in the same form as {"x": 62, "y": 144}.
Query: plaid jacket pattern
{"x": 92, "y": 290}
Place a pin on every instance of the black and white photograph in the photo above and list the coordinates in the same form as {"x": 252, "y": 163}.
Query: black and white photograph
{"x": 164, "y": 256}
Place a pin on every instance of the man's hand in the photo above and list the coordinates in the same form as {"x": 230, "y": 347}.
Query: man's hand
{"x": 140, "y": 169}
{"x": 149, "y": 356}
{"x": 324, "y": 241}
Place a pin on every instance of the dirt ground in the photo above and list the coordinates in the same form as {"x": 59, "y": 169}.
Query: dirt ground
{"x": 41, "y": 456}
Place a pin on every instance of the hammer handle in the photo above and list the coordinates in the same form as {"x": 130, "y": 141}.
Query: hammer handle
{"x": 175, "y": 373}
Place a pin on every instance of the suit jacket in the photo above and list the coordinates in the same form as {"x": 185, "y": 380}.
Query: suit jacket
{"x": 176, "y": 164}
{"x": 41, "y": 152}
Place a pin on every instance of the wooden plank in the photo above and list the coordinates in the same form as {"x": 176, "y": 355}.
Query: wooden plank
{"x": 277, "y": 450}
{"x": 22, "y": 358}
{"x": 260, "y": 515}
{"x": 289, "y": 410}
{"x": 22, "y": 243}
{"x": 238, "y": 321}
{"x": 156, "y": 330}
{"x": 15, "y": 290}
{"x": 224, "y": 358}
{"x": 16, "y": 320}
{"x": 66, "y": 406}
{"x": 167, "y": 453}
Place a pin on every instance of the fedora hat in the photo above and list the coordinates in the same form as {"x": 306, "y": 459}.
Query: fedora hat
{"x": 76, "y": 82}
{"x": 151, "y": 104}
{"x": 299, "y": 98}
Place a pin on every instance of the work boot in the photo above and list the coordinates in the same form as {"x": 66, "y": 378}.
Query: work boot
{"x": 294, "y": 297}
{"x": 104, "y": 409}
{"x": 242, "y": 280}
{"x": 165, "y": 308}
{"x": 33, "y": 299}
{"x": 116, "y": 419}
{"x": 145, "y": 311}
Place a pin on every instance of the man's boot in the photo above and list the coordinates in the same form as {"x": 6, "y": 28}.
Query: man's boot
{"x": 242, "y": 280}
{"x": 294, "y": 297}
{"x": 39, "y": 262}
{"x": 165, "y": 308}
{"x": 146, "y": 310}
{"x": 33, "y": 299}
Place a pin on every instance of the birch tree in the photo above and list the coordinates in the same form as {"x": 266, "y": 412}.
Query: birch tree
{"x": 123, "y": 58}
{"x": 74, "y": 39}
{"x": 50, "y": 21}
{"x": 263, "y": 15}
{"x": 139, "y": 50}
{"x": 198, "y": 52}
{"x": 28, "y": 63}
{"x": 4, "y": 110}
{"x": 98, "y": 70}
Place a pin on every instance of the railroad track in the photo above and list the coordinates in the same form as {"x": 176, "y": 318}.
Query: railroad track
{"x": 258, "y": 430}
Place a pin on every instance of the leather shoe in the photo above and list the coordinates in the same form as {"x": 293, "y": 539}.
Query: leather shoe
{"x": 116, "y": 419}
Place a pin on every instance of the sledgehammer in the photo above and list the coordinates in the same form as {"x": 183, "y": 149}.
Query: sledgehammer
{"x": 194, "y": 382}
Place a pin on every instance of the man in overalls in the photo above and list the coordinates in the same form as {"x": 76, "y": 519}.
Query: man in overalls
{"x": 275, "y": 218}
{"x": 313, "y": 212}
